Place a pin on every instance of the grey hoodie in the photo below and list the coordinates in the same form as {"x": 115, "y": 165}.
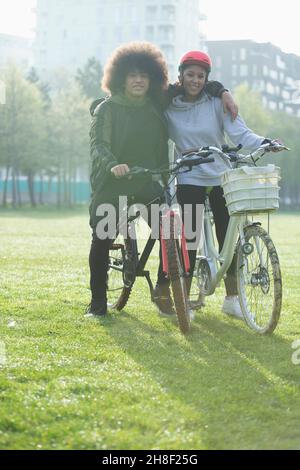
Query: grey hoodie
{"x": 202, "y": 123}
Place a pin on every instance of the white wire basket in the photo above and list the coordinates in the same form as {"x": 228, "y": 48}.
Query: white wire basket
{"x": 251, "y": 189}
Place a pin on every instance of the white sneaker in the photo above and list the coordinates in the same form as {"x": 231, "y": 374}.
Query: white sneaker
{"x": 231, "y": 306}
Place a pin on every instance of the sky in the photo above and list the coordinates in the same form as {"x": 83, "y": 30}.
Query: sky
{"x": 259, "y": 20}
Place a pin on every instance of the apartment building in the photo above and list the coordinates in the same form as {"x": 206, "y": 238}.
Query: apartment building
{"x": 70, "y": 32}
{"x": 264, "y": 67}
{"x": 15, "y": 49}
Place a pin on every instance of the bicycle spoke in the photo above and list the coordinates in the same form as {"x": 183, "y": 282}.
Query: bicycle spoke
{"x": 119, "y": 287}
{"x": 259, "y": 288}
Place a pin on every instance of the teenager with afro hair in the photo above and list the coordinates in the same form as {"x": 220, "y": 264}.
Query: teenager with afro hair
{"x": 129, "y": 129}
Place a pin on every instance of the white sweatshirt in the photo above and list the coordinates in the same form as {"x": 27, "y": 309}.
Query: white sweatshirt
{"x": 202, "y": 123}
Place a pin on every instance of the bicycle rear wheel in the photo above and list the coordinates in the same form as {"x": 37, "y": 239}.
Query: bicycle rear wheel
{"x": 177, "y": 278}
{"x": 259, "y": 281}
{"x": 121, "y": 272}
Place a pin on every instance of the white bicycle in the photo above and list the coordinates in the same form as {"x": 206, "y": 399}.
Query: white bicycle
{"x": 248, "y": 190}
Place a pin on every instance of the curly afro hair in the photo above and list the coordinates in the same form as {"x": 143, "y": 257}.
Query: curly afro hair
{"x": 142, "y": 56}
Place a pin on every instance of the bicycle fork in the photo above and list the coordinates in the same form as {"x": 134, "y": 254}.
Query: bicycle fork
{"x": 178, "y": 234}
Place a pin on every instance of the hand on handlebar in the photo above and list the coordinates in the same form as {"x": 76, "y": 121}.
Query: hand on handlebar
{"x": 120, "y": 170}
{"x": 274, "y": 145}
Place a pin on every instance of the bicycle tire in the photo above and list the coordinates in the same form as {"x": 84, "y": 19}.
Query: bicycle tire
{"x": 178, "y": 284}
{"x": 259, "y": 281}
{"x": 121, "y": 272}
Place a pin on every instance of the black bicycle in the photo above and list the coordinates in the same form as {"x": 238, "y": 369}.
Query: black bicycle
{"x": 125, "y": 262}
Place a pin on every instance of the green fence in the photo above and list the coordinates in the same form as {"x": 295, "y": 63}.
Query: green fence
{"x": 80, "y": 191}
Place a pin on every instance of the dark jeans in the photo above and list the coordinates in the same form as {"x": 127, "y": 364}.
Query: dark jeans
{"x": 190, "y": 194}
{"x": 99, "y": 252}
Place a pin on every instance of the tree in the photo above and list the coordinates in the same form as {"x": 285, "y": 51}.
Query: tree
{"x": 286, "y": 127}
{"x": 22, "y": 128}
{"x": 68, "y": 140}
{"x": 32, "y": 76}
{"x": 274, "y": 125}
{"x": 89, "y": 79}
{"x": 44, "y": 88}
{"x": 252, "y": 109}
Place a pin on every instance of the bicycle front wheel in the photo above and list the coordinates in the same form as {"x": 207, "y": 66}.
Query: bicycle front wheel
{"x": 259, "y": 281}
{"x": 178, "y": 282}
{"x": 121, "y": 272}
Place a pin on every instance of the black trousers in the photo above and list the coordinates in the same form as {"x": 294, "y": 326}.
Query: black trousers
{"x": 99, "y": 251}
{"x": 193, "y": 195}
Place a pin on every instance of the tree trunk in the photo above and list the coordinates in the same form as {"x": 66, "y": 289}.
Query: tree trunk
{"x": 30, "y": 181}
{"x": 74, "y": 192}
{"x": 41, "y": 193}
{"x": 64, "y": 197}
{"x": 70, "y": 198}
{"x": 14, "y": 189}
{"x": 49, "y": 186}
{"x": 5, "y": 184}
{"x": 58, "y": 200}
{"x": 19, "y": 196}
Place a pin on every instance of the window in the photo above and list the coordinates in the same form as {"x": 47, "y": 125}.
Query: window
{"x": 263, "y": 84}
{"x": 151, "y": 12}
{"x": 132, "y": 13}
{"x": 274, "y": 74}
{"x": 234, "y": 70}
{"x": 254, "y": 70}
{"x": 243, "y": 53}
{"x": 272, "y": 105}
{"x": 243, "y": 70}
{"x": 118, "y": 34}
{"x": 280, "y": 63}
{"x": 135, "y": 31}
{"x": 169, "y": 53}
{"x": 270, "y": 88}
{"x": 218, "y": 61}
{"x": 166, "y": 33}
{"x": 171, "y": 72}
{"x": 218, "y": 76}
{"x": 168, "y": 12}
{"x": 150, "y": 33}
{"x": 265, "y": 70}
{"x": 285, "y": 94}
{"x": 233, "y": 54}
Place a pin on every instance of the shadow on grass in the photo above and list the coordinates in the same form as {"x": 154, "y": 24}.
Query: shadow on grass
{"x": 240, "y": 384}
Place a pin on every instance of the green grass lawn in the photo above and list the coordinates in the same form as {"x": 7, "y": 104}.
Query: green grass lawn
{"x": 131, "y": 380}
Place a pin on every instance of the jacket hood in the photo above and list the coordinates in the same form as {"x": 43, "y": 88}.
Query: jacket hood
{"x": 118, "y": 99}
{"x": 95, "y": 104}
{"x": 181, "y": 105}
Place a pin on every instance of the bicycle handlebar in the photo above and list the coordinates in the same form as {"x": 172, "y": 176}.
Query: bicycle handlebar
{"x": 231, "y": 153}
{"x": 199, "y": 156}
{"x": 180, "y": 163}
